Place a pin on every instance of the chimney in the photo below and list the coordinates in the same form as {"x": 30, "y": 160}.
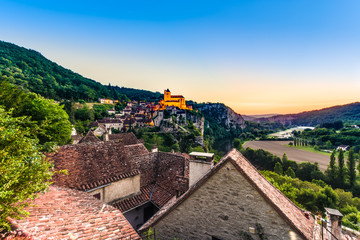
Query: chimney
{"x": 334, "y": 218}
{"x": 199, "y": 164}
{"x": 106, "y": 136}
{"x": 154, "y": 148}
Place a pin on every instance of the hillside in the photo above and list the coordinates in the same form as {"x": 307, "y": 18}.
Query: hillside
{"x": 347, "y": 113}
{"x": 32, "y": 71}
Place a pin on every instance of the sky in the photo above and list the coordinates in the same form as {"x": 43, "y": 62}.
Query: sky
{"x": 256, "y": 56}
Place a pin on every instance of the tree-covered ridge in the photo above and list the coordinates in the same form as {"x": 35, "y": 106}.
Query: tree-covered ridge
{"x": 348, "y": 113}
{"x": 32, "y": 71}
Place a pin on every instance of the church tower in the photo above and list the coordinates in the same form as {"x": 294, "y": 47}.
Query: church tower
{"x": 167, "y": 95}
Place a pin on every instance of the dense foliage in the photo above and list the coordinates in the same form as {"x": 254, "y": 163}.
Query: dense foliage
{"x": 48, "y": 123}
{"x": 314, "y": 196}
{"x": 329, "y": 138}
{"x": 30, "y": 70}
{"x": 24, "y": 171}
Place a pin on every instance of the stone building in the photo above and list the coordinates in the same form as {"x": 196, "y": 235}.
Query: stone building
{"x": 233, "y": 197}
{"x": 174, "y": 101}
{"x": 123, "y": 173}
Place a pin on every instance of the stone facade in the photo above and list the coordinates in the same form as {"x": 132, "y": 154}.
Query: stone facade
{"x": 224, "y": 205}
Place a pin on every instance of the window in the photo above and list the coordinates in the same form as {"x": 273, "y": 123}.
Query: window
{"x": 98, "y": 196}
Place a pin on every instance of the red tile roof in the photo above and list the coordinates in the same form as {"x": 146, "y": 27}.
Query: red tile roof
{"x": 63, "y": 213}
{"x": 298, "y": 219}
{"x": 90, "y": 164}
{"x": 89, "y": 138}
{"x": 126, "y": 138}
{"x": 153, "y": 192}
{"x": 136, "y": 149}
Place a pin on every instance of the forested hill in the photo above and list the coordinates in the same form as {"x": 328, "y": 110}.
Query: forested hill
{"x": 32, "y": 71}
{"x": 347, "y": 113}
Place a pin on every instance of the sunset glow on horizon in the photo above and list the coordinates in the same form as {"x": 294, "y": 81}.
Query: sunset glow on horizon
{"x": 257, "y": 57}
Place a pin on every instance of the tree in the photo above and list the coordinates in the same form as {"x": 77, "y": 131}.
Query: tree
{"x": 289, "y": 172}
{"x": 341, "y": 175}
{"x": 24, "y": 170}
{"x": 237, "y": 144}
{"x": 284, "y": 158}
{"x": 351, "y": 167}
{"x": 331, "y": 170}
{"x": 278, "y": 168}
{"x": 49, "y": 122}
{"x": 328, "y": 144}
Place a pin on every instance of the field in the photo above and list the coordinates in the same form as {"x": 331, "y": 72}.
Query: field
{"x": 278, "y": 148}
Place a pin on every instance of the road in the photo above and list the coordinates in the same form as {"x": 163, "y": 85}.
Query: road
{"x": 278, "y": 148}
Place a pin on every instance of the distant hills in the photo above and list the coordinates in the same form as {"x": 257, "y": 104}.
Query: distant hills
{"x": 32, "y": 71}
{"x": 347, "y": 113}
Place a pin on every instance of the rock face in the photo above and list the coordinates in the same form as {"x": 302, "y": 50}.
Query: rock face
{"x": 223, "y": 115}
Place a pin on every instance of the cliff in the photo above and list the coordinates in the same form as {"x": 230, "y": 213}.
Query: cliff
{"x": 222, "y": 114}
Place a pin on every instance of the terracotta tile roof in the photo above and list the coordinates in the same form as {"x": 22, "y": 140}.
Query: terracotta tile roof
{"x": 63, "y": 213}
{"x": 126, "y": 138}
{"x": 89, "y": 138}
{"x": 153, "y": 192}
{"x": 299, "y": 220}
{"x": 90, "y": 164}
{"x": 76, "y": 137}
{"x": 109, "y": 120}
{"x": 135, "y": 149}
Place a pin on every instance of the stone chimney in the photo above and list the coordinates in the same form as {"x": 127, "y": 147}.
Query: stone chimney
{"x": 199, "y": 164}
{"x": 154, "y": 148}
{"x": 334, "y": 218}
{"x": 106, "y": 136}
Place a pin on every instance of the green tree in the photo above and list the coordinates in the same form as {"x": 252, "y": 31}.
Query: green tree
{"x": 49, "y": 122}
{"x": 351, "y": 167}
{"x": 328, "y": 144}
{"x": 289, "y": 172}
{"x": 341, "y": 175}
{"x": 284, "y": 158}
{"x": 278, "y": 168}
{"x": 237, "y": 144}
{"x": 331, "y": 169}
{"x": 24, "y": 170}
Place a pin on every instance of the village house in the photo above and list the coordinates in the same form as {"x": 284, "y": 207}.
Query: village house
{"x": 121, "y": 172}
{"x": 232, "y": 197}
{"x": 342, "y": 147}
{"x": 106, "y": 101}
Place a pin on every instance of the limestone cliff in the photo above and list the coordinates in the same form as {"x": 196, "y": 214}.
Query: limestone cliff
{"x": 223, "y": 115}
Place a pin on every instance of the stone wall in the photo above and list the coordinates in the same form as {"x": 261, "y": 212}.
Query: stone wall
{"x": 223, "y": 206}
{"x": 122, "y": 188}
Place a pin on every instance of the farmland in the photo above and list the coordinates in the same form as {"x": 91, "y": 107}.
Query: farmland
{"x": 278, "y": 148}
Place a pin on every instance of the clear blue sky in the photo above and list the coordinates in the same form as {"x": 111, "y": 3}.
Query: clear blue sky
{"x": 255, "y": 56}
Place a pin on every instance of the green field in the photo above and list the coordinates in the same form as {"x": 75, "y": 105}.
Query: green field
{"x": 311, "y": 149}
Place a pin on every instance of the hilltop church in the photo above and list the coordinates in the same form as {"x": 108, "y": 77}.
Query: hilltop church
{"x": 174, "y": 101}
